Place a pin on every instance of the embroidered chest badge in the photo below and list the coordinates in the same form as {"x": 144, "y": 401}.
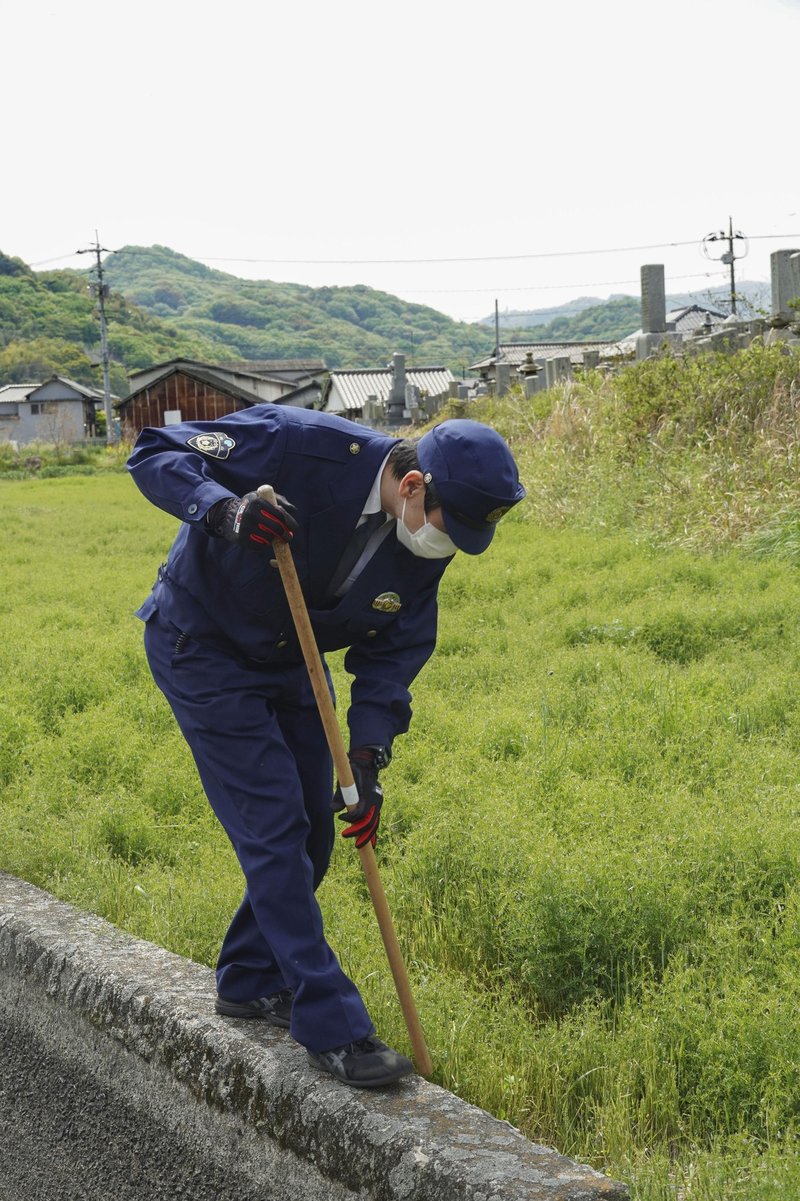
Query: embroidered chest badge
{"x": 216, "y": 446}
{"x": 387, "y": 602}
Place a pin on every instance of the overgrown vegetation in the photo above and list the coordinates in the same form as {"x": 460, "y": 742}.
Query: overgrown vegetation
{"x": 591, "y": 843}
{"x": 699, "y": 452}
{"x": 48, "y": 460}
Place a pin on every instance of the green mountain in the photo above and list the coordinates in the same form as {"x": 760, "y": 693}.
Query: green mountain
{"x": 259, "y": 319}
{"x": 48, "y": 324}
{"x": 162, "y": 305}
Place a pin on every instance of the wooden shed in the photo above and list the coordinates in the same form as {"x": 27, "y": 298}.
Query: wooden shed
{"x": 186, "y": 391}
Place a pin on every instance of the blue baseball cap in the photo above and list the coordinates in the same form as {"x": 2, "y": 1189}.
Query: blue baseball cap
{"x": 475, "y": 476}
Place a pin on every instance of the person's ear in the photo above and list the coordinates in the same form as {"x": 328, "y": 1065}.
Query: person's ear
{"x": 410, "y": 485}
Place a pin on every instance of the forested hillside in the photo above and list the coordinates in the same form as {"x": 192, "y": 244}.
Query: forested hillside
{"x": 48, "y": 324}
{"x": 606, "y": 322}
{"x": 163, "y": 305}
{"x": 256, "y": 319}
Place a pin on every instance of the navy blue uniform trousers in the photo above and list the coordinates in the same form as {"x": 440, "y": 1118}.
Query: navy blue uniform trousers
{"x": 260, "y": 749}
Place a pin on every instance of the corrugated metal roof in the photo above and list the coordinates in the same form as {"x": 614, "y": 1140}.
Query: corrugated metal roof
{"x": 230, "y": 373}
{"x": 167, "y": 363}
{"x": 693, "y": 317}
{"x": 84, "y": 390}
{"x": 515, "y": 353}
{"x": 240, "y": 366}
{"x": 261, "y": 366}
{"x": 14, "y": 393}
{"x": 685, "y": 320}
{"x": 349, "y": 389}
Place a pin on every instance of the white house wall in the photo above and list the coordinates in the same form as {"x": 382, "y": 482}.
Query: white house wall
{"x": 63, "y": 424}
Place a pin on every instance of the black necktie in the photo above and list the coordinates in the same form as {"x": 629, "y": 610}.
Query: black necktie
{"x": 354, "y": 548}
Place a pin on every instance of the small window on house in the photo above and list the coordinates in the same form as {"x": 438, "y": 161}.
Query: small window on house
{"x": 36, "y": 408}
{"x": 41, "y": 407}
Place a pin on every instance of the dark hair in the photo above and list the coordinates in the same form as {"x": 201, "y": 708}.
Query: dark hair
{"x": 402, "y": 459}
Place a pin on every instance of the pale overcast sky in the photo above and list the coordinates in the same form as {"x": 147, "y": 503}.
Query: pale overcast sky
{"x": 268, "y": 140}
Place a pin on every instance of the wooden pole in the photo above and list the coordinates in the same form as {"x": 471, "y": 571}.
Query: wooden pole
{"x": 344, "y": 773}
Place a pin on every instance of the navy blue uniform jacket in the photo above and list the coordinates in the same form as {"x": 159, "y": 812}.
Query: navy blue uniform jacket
{"x": 232, "y": 596}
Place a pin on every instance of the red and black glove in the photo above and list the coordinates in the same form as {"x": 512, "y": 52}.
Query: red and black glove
{"x": 365, "y": 817}
{"x": 252, "y": 521}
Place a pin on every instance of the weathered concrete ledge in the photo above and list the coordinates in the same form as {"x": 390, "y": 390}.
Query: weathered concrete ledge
{"x": 118, "y": 1080}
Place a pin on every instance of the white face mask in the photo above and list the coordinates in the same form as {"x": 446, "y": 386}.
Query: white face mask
{"x": 428, "y": 542}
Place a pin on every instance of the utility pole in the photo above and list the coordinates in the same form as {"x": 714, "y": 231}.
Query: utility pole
{"x": 101, "y": 290}
{"x": 729, "y": 258}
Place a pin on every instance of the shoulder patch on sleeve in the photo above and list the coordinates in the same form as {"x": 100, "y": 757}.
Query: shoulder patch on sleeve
{"x": 216, "y": 446}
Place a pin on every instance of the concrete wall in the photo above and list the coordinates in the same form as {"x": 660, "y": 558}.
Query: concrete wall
{"x": 118, "y": 1080}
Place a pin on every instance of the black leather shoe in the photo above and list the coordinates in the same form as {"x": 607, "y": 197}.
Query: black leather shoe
{"x": 276, "y": 1009}
{"x": 366, "y": 1063}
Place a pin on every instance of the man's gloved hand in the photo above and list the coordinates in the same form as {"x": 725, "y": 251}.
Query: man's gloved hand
{"x": 365, "y": 817}
{"x": 252, "y": 521}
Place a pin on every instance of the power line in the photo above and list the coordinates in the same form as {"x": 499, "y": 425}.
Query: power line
{"x": 602, "y": 283}
{"x": 489, "y": 258}
{"x": 493, "y": 290}
{"x": 565, "y": 310}
{"x": 496, "y": 258}
{"x": 490, "y": 289}
{"x": 59, "y": 259}
{"x": 479, "y": 258}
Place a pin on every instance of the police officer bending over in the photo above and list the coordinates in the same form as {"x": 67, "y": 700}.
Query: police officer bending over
{"x": 373, "y": 523}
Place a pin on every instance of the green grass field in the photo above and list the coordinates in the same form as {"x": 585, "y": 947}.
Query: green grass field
{"x": 591, "y": 837}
